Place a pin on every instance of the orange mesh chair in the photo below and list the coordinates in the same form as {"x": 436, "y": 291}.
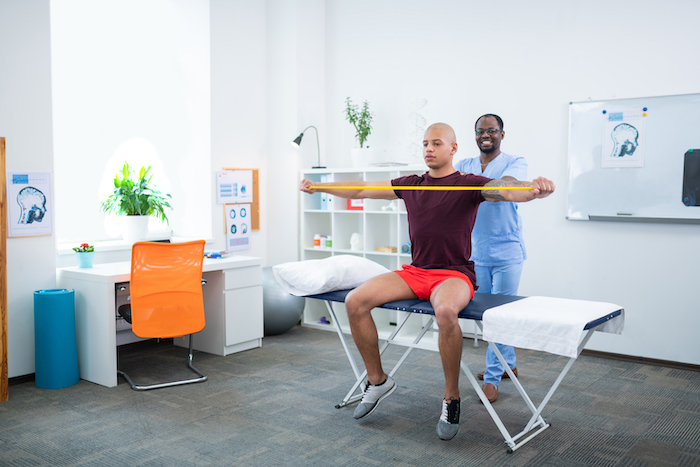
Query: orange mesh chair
{"x": 166, "y": 296}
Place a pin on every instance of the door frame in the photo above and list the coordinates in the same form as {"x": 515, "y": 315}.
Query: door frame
{"x": 4, "y": 381}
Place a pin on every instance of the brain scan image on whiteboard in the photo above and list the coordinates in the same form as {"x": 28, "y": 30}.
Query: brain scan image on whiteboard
{"x": 626, "y": 139}
{"x": 623, "y": 140}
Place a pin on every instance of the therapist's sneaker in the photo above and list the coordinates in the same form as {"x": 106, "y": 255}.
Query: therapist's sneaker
{"x": 505, "y": 374}
{"x": 373, "y": 395}
{"x": 448, "y": 425}
{"x": 490, "y": 391}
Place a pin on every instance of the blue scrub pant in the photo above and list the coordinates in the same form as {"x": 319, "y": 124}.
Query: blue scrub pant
{"x": 501, "y": 280}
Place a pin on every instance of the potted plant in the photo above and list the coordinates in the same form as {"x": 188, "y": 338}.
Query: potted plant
{"x": 361, "y": 119}
{"x": 85, "y": 254}
{"x": 135, "y": 200}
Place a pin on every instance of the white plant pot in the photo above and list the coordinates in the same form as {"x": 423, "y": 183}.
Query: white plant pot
{"x": 134, "y": 228}
{"x": 361, "y": 157}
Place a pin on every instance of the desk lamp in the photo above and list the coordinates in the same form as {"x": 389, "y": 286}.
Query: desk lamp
{"x": 297, "y": 142}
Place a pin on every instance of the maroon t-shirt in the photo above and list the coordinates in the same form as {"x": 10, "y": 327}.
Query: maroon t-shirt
{"x": 440, "y": 222}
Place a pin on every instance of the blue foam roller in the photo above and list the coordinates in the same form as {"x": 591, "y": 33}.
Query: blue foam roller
{"x": 55, "y": 346}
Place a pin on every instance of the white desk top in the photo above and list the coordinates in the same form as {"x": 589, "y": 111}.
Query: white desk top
{"x": 121, "y": 272}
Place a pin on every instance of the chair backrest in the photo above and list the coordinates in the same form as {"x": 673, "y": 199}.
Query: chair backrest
{"x": 166, "y": 289}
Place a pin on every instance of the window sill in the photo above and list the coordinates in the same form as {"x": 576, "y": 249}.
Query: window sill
{"x": 63, "y": 249}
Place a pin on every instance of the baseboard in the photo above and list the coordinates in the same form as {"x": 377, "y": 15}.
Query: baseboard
{"x": 147, "y": 343}
{"x": 20, "y": 379}
{"x": 642, "y": 360}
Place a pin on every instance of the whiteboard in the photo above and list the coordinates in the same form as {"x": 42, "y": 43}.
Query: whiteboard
{"x": 628, "y": 159}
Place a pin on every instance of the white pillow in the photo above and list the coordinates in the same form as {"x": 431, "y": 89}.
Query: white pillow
{"x": 325, "y": 275}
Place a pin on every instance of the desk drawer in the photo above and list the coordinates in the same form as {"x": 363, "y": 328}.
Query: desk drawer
{"x": 242, "y": 277}
{"x": 244, "y": 316}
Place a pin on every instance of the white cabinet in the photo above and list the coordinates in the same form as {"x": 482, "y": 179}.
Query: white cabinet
{"x": 381, "y": 223}
{"x": 233, "y": 311}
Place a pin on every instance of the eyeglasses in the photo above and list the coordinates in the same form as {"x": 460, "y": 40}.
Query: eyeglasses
{"x": 490, "y": 131}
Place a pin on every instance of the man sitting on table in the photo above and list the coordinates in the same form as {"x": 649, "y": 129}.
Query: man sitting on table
{"x": 440, "y": 225}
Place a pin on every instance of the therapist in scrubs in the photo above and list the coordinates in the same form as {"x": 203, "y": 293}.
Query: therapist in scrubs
{"x": 498, "y": 249}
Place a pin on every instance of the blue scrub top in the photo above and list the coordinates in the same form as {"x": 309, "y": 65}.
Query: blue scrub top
{"x": 497, "y": 238}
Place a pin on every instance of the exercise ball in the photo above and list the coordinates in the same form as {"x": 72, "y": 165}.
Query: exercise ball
{"x": 281, "y": 310}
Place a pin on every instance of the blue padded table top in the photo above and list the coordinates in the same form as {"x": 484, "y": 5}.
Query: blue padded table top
{"x": 475, "y": 310}
{"x": 480, "y": 303}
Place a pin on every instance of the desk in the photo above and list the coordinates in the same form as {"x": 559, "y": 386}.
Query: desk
{"x": 232, "y": 300}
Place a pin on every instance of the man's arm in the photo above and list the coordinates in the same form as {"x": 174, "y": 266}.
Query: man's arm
{"x": 358, "y": 193}
{"x": 541, "y": 188}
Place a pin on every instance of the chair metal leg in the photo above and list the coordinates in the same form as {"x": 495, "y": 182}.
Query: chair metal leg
{"x": 201, "y": 379}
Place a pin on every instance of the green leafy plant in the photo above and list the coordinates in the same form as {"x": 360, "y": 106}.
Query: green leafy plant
{"x": 361, "y": 119}
{"x": 134, "y": 197}
{"x": 84, "y": 248}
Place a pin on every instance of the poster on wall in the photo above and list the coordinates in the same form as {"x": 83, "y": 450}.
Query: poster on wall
{"x": 30, "y": 207}
{"x": 234, "y": 186}
{"x": 623, "y": 139}
{"x": 237, "y": 227}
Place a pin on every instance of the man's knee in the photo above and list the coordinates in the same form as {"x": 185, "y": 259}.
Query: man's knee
{"x": 356, "y": 304}
{"x": 446, "y": 315}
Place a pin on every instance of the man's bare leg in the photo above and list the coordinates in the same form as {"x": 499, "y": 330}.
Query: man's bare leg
{"x": 448, "y": 299}
{"x": 359, "y": 304}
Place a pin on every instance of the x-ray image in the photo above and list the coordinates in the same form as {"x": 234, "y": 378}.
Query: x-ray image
{"x": 623, "y": 140}
{"x": 626, "y": 139}
{"x": 29, "y": 202}
{"x": 33, "y": 205}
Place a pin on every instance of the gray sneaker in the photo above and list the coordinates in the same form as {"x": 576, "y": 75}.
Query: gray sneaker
{"x": 372, "y": 396}
{"x": 448, "y": 425}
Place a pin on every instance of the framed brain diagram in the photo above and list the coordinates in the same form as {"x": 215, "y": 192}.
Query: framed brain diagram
{"x": 30, "y": 207}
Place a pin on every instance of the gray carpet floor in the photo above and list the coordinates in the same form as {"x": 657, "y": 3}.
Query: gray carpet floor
{"x": 276, "y": 406}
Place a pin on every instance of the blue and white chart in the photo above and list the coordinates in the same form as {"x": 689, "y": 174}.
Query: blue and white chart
{"x": 234, "y": 186}
{"x": 238, "y": 227}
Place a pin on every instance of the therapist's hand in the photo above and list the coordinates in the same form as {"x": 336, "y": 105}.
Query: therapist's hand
{"x": 304, "y": 186}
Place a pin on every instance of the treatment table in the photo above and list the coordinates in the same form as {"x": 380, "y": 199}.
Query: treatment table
{"x": 516, "y": 311}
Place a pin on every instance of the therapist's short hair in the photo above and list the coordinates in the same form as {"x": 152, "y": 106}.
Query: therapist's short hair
{"x": 498, "y": 119}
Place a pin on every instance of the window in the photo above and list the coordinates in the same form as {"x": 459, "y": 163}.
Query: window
{"x": 130, "y": 82}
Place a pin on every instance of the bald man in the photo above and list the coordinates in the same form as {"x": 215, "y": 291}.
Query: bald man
{"x": 440, "y": 225}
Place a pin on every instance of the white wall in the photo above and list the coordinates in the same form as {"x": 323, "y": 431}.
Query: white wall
{"x": 238, "y": 104}
{"x": 295, "y": 93}
{"x": 25, "y": 122}
{"x": 268, "y": 85}
{"x": 526, "y": 61}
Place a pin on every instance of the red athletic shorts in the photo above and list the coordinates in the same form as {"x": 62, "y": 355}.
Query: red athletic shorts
{"x": 424, "y": 281}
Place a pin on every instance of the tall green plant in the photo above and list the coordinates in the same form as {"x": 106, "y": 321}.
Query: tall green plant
{"x": 133, "y": 197}
{"x": 361, "y": 119}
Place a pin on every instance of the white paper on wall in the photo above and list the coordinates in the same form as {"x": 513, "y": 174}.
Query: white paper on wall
{"x": 623, "y": 139}
{"x": 234, "y": 186}
{"x": 238, "y": 226}
{"x": 30, "y": 205}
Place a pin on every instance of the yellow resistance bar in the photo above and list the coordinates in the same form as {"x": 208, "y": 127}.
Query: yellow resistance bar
{"x": 426, "y": 188}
